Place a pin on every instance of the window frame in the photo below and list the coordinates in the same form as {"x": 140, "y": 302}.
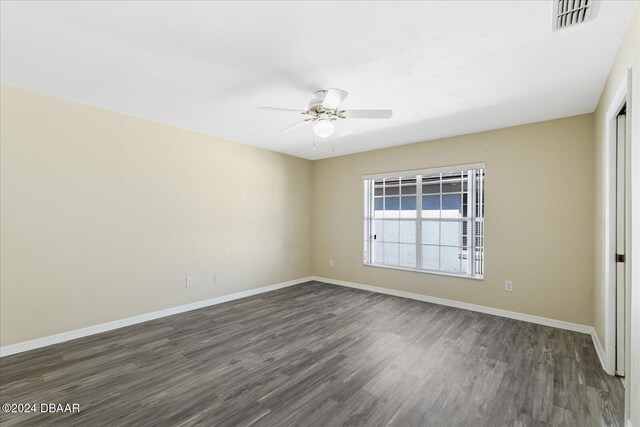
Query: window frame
{"x": 472, "y": 218}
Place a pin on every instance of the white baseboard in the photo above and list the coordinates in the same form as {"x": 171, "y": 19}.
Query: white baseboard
{"x": 601, "y": 353}
{"x": 116, "y": 324}
{"x": 585, "y": 329}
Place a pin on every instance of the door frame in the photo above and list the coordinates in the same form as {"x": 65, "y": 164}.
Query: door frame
{"x": 622, "y": 97}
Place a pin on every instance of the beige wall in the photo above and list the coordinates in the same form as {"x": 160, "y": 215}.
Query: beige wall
{"x": 628, "y": 57}
{"x": 103, "y": 216}
{"x": 539, "y": 217}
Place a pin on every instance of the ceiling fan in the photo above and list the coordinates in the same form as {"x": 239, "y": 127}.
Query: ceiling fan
{"x": 324, "y": 109}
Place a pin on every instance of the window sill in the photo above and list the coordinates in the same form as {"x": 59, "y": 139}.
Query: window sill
{"x": 436, "y": 273}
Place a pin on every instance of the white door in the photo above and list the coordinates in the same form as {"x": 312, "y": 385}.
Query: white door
{"x": 620, "y": 244}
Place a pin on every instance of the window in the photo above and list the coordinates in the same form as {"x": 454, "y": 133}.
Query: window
{"x": 430, "y": 220}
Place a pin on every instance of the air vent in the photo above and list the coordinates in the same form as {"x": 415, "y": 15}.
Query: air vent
{"x": 572, "y": 12}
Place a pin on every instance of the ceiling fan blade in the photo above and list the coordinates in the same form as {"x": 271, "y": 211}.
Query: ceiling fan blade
{"x": 293, "y": 126}
{"x": 285, "y": 110}
{"x": 334, "y": 98}
{"x": 367, "y": 114}
{"x": 344, "y": 132}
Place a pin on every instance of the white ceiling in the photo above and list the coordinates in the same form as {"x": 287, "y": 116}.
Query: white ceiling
{"x": 445, "y": 68}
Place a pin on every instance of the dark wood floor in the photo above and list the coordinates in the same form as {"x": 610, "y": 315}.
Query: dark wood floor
{"x": 317, "y": 355}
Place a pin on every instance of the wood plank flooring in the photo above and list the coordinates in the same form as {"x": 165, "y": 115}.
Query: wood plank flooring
{"x": 319, "y": 355}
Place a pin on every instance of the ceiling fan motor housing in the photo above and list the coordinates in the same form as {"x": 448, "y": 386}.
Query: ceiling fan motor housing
{"x": 318, "y": 111}
{"x": 315, "y": 104}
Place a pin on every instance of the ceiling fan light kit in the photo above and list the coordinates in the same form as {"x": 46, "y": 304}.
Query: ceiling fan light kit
{"x": 324, "y": 109}
{"x": 324, "y": 128}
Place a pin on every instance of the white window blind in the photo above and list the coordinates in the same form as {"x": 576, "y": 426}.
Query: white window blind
{"x": 428, "y": 220}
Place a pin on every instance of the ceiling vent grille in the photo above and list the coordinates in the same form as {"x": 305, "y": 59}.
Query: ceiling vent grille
{"x": 571, "y": 12}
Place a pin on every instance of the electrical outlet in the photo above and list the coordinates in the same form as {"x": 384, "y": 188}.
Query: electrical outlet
{"x": 189, "y": 281}
{"x": 216, "y": 277}
{"x": 508, "y": 286}
{"x": 330, "y": 263}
